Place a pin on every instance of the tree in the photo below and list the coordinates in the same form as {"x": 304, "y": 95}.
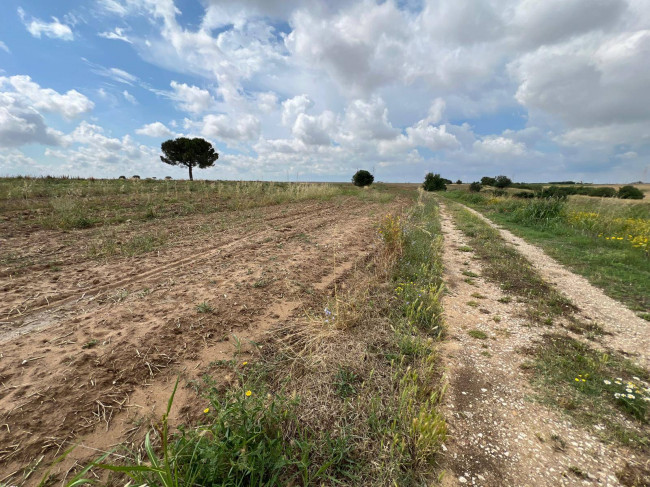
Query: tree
{"x": 433, "y": 182}
{"x": 189, "y": 153}
{"x": 475, "y": 187}
{"x": 487, "y": 181}
{"x": 502, "y": 181}
{"x": 459, "y": 182}
{"x": 630, "y": 193}
{"x": 362, "y": 178}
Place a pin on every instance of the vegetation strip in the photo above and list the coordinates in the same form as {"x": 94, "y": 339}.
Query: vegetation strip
{"x": 349, "y": 395}
{"x": 603, "y": 391}
{"x": 607, "y": 241}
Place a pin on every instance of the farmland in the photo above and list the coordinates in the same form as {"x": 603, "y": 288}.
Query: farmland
{"x": 318, "y": 334}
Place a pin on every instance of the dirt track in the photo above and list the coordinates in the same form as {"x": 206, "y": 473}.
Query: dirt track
{"x": 92, "y": 354}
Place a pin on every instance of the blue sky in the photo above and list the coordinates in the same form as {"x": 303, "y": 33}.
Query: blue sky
{"x": 313, "y": 90}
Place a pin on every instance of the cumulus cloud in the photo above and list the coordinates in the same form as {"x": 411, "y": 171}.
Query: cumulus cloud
{"x": 225, "y": 128}
{"x": 21, "y": 125}
{"x": 191, "y": 98}
{"x": 155, "y": 129}
{"x": 500, "y": 146}
{"x": 53, "y": 29}
{"x": 69, "y": 105}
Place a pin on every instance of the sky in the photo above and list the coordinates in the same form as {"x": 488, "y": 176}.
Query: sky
{"x": 313, "y": 90}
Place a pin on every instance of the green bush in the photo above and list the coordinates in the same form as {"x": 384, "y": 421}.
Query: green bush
{"x": 362, "y": 178}
{"x": 630, "y": 193}
{"x": 475, "y": 187}
{"x": 433, "y": 182}
{"x": 603, "y": 192}
{"x": 502, "y": 181}
{"x": 487, "y": 181}
{"x": 524, "y": 195}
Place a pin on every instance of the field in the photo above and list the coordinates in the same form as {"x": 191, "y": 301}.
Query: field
{"x": 275, "y": 298}
{"x": 252, "y": 333}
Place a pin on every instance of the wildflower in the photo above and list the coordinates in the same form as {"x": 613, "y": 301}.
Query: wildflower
{"x": 628, "y": 389}
{"x": 617, "y": 382}
{"x": 583, "y": 380}
{"x": 248, "y": 393}
{"x": 244, "y": 363}
{"x": 608, "y": 382}
{"x": 631, "y": 396}
{"x": 206, "y": 410}
{"x": 635, "y": 378}
{"x": 577, "y": 380}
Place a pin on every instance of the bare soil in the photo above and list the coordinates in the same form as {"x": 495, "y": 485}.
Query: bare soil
{"x": 89, "y": 351}
{"x": 498, "y": 435}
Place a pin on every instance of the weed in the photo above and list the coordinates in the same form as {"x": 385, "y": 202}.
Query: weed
{"x": 90, "y": 344}
{"x": 470, "y": 274}
{"x": 481, "y": 335}
{"x": 465, "y": 248}
{"x": 478, "y": 296}
{"x": 204, "y": 307}
{"x": 345, "y": 382}
{"x": 473, "y": 304}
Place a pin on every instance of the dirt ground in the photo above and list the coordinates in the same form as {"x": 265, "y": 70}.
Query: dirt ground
{"x": 498, "y": 435}
{"x": 89, "y": 350}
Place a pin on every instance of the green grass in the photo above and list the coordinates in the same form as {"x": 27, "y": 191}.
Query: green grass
{"x": 480, "y": 335}
{"x": 569, "y": 232}
{"x": 591, "y": 386}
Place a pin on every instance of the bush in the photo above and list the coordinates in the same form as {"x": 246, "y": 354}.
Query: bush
{"x": 433, "y": 182}
{"x": 486, "y": 181}
{"x": 524, "y": 195}
{"x": 630, "y": 193}
{"x": 499, "y": 192}
{"x": 502, "y": 181}
{"x": 362, "y": 178}
{"x": 475, "y": 187}
{"x": 135, "y": 176}
{"x": 604, "y": 192}
{"x": 122, "y": 177}
{"x": 459, "y": 182}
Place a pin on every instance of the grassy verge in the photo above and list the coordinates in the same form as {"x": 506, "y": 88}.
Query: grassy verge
{"x": 606, "y": 241}
{"x": 349, "y": 396}
{"x": 603, "y": 391}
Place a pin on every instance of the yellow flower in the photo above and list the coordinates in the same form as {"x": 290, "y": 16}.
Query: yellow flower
{"x": 577, "y": 380}
{"x": 248, "y": 393}
{"x": 206, "y": 410}
{"x": 244, "y": 363}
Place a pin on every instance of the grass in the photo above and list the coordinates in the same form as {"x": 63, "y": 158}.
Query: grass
{"x": 606, "y": 240}
{"x": 478, "y": 334}
{"x": 348, "y": 397}
{"x": 592, "y": 386}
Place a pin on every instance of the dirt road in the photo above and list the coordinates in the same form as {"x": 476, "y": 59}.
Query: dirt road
{"x": 498, "y": 435}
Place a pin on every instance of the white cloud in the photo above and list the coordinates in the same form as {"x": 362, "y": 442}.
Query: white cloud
{"x": 293, "y": 107}
{"x": 21, "y": 125}
{"x": 500, "y": 146}
{"x": 191, "y": 99}
{"x": 4, "y": 47}
{"x": 225, "y": 128}
{"x": 117, "y": 34}
{"x": 155, "y": 129}
{"x": 314, "y": 130}
{"x": 129, "y": 97}
{"x": 68, "y": 105}
{"x": 54, "y": 29}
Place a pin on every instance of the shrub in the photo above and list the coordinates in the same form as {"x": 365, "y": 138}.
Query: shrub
{"x": 486, "y": 181}
{"x": 362, "y": 178}
{"x": 135, "y": 176}
{"x": 122, "y": 177}
{"x": 630, "y": 193}
{"x": 604, "y": 192}
{"x": 433, "y": 182}
{"x": 524, "y": 195}
{"x": 555, "y": 192}
{"x": 459, "y": 182}
{"x": 502, "y": 181}
{"x": 499, "y": 192}
{"x": 475, "y": 187}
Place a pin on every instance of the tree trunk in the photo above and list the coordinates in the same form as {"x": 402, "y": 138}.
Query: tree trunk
{"x": 190, "y": 166}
